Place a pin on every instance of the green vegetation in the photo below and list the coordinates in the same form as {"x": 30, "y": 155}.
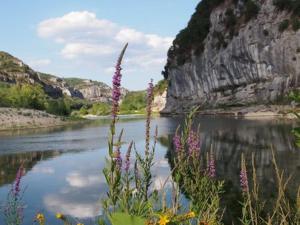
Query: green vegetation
{"x": 292, "y": 6}
{"x": 34, "y": 97}
{"x": 98, "y": 109}
{"x": 295, "y": 23}
{"x": 284, "y": 25}
{"x": 78, "y": 82}
{"x": 193, "y": 36}
{"x": 133, "y": 102}
{"x": 289, "y": 5}
{"x": 160, "y": 87}
{"x": 10, "y": 64}
{"x": 251, "y": 10}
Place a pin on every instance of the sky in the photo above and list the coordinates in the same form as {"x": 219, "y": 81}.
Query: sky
{"x": 82, "y": 38}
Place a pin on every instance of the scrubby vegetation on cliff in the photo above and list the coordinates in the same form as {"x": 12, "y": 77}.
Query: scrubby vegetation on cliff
{"x": 192, "y": 37}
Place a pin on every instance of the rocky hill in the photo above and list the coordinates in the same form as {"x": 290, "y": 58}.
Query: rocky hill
{"x": 13, "y": 70}
{"x": 235, "y": 53}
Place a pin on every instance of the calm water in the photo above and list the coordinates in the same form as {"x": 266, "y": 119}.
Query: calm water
{"x": 64, "y": 165}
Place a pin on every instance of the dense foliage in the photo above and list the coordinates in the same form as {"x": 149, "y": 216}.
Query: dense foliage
{"x": 9, "y": 64}
{"x": 289, "y": 5}
{"x": 33, "y": 97}
{"x": 133, "y": 102}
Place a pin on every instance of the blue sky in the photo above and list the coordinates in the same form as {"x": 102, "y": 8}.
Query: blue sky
{"x": 82, "y": 38}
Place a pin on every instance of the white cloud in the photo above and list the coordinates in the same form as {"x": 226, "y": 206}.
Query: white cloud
{"x": 75, "y": 25}
{"x": 90, "y": 39}
{"x": 72, "y": 50}
{"x": 44, "y": 170}
{"x": 78, "y": 180}
{"x": 57, "y": 203}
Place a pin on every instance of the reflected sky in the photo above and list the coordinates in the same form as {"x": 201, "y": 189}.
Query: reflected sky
{"x": 64, "y": 165}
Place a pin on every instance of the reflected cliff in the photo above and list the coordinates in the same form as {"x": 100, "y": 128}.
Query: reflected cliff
{"x": 230, "y": 138}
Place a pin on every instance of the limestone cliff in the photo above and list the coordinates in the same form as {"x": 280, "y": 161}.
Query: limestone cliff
{"x": 249, "y": 55}
{"x": 13, "y": 70}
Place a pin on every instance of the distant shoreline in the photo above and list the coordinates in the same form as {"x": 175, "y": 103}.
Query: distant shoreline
{"x": 249, "y": 112}
{"x": 21, "y": 119}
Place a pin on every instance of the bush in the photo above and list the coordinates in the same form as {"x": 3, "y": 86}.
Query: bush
{"x": 290, "y": 5}
{"x": 100, "y": 109}
{"x": 195, "y": 33}
{"x": 230, "y": 19}
{"x": 251, "y": 10}
{"x": 133, "y": 101}
{"x": 295, "y": 24}
{"x": 58, "y": 107}
{"x": 160, "y": 87}
{"x": 25, "y": 96}
{"x": 284, "y": 25}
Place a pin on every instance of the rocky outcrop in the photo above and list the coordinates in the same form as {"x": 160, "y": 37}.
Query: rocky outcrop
{"x": 257, "y": 65}
{"x": 159, "y": 101}
{"x": 13, "y": 70}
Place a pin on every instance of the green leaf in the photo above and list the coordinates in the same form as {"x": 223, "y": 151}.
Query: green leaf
{"x": 124, "y": 218}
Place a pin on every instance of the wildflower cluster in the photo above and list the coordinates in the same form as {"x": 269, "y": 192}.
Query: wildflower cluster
{"x": 196, "y": 178}
{"x": 14, "y": 207}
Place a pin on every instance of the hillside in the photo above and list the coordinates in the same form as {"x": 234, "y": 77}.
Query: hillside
{"x": 13, "y": 71}
{"x": 235, "y": 53}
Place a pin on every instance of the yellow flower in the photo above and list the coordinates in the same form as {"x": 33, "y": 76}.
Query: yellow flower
{"x": 163, "y": 220}
{"x": 80, "y": 224}
{"x": 191, "y": 215}
{"x": 60, "y": 216}
{"x": 40, "y": 218}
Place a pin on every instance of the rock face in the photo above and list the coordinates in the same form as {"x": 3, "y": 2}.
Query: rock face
{"x": 13, "y": 70}
{"x": 257, "y": 65}
{"x": 159, "y": 102}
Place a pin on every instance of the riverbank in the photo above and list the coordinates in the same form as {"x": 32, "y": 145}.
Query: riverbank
{"x": 251, "y": 112}
{"x": 13, "y": 119}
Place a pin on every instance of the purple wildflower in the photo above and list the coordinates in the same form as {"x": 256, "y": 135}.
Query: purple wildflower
{"x": 211, "y": 170}
{"x": 118, "y": 158}
{"x": 116, "y": 86}
{"x": 193, "y": 143}
{"x": 127, "y": 158}
{"x": 149, "y": 111}
{"x": 177, "y": 143}
{"x": 244, "y": 179}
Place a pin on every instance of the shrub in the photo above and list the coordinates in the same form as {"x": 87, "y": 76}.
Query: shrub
{"x": 160, "y": 87}
{"x": 230, "y": 19}
{"x": 100, "y": 109}
{"x": 290, "y": 5}
{"x": 284, "y": 25}
{"x": 26, "y": 96}
{"x": 251, "y": 10}
{"x": 58, "y": 107}
{"x": 133, "y": 101}
{"x": 295, "y": 23}
{"x": 195, "y": 33}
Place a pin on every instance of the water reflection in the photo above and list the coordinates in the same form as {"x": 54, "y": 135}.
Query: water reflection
{"x": 232, "y": 137}
{"x": 64, "y": 165}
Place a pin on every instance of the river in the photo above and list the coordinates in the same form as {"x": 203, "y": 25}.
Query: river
{"x": 64, "y": 165}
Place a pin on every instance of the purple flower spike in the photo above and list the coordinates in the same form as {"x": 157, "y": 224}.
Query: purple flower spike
{"x": 193, "y": 142}
{"x": 177, "y": 143}
{"x": 118, "y": 158}
{"x": 211, "y": 167}
{"x": 149, "y": 111}
{"x": 244, "y": 180}
{"x": 116, "y": 86}
{"x": 127, "y": 158}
